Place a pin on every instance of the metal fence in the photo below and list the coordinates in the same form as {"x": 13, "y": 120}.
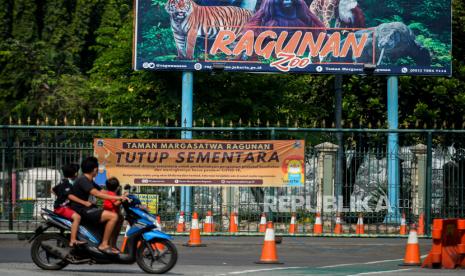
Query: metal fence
{"x": 431, "y": 181}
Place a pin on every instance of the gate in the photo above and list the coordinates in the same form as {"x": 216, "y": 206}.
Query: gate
{"x": 431, "y": 162}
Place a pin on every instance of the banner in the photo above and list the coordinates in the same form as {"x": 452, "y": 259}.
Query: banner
{"x": 278, "y": 163}
{"x": 151, "y": 201}
{"x": 392, "y": 37}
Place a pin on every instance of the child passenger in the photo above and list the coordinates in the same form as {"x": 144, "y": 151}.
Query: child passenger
{"x": 62, "y": 191}
{"x": 114, "y": 189}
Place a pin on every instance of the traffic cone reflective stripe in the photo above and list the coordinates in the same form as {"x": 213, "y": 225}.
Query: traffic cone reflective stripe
{"x": 360, "y": 229}
{"x": 292, "y": 229}
{"x": 338, "y": 227}
{"x": 403, "y": 226}
{"x": 125, "y": 239}
{"x": 233, "y": 223}
{"x": 262, "y": 228}
{"x": 269, "y": 254}
{"x": 412, "y": 251}
{"x": 208, "y": 226}
{"x": 421, "y": 225}
{"x": 318, "y": 227}
{"x": 194, "y": 237}
{"x": 181, "y": 223}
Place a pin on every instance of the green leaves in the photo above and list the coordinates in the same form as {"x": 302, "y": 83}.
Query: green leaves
{"x": 74, "y": 58}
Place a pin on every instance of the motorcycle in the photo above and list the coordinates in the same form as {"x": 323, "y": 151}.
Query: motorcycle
{"x": 145, "y": 243}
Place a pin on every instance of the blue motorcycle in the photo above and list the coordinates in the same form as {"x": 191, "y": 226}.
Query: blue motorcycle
{"x": 145, "y": 243}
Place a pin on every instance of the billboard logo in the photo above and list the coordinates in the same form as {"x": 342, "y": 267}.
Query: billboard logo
{"x": 297, "y": 144}
{"x": 100, "y": 143}
{"x": 319, "y": 69}
{"x": 148, "y": 65}
{"x": 198, "y": 66}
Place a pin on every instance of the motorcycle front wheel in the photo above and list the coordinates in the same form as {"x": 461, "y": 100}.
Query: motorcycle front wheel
{"x": 44, "y": 259}
{"x": 163, "y": 260}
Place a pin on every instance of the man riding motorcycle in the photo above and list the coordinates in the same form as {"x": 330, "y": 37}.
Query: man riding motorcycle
{"x": 84, "y": 187}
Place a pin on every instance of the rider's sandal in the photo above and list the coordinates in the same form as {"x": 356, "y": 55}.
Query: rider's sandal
{"x": 108, "y": 251}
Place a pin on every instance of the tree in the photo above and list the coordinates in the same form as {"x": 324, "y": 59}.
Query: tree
{"x": 74, "y": 58}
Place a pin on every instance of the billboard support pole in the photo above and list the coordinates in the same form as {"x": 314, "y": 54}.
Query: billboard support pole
{"x": 393, "y": 147}
{"x": 186, "y": 115}
{"x": 340, "y": 142}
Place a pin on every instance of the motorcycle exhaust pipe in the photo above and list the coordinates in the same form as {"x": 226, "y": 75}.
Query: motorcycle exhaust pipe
{"x": 58, "y": 252}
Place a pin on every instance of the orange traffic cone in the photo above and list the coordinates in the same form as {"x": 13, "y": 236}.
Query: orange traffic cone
{"x": 292, "y": 229}
{"x": 412, "y": 251}
{"x": 181, "y": 223}
{"x": 269, "y": 254}
{"x": 262, "y": 228}
{"x": 403, "y": 225}
{"x": 338, "y": 227}
{"x": 421, "y": 225}
{"x": 461, "y": 242}
{"x": 194, "y": 237}
{"x": 233, "y": 221}
{"x": 125, "y": 239}
{"x": 318, "y": 227}
{"x": 208, "y": 226}
{"x": 360, "y": 229}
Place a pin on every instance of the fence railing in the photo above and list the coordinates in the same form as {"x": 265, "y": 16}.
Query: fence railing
{"x": 431, "y": 178}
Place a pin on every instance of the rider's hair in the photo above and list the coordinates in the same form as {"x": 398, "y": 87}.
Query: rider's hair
{"x": 112, "y": 184}
{"x": 70, "y": 170}
{"x": 89, "y": 164}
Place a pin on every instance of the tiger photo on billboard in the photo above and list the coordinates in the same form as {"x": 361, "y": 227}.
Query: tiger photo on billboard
{"x": 190, "y": 20}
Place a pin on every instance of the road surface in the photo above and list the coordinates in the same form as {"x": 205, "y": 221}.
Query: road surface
{"x": 236, "y": 256}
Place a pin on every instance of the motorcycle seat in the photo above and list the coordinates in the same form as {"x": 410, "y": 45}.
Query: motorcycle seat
{"x": 51, "y": 213}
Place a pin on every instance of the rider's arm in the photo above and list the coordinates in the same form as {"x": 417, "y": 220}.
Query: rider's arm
{"x": 103, "y": 195}
{"x": 78, "y": 200}
{"x": 116, "y": 203}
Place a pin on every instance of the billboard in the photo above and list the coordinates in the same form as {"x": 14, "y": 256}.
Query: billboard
{"x": 400, "y": 37}
{"x": 277, "y": 163}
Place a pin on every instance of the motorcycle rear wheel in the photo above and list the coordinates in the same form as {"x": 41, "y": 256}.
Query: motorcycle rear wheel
{"x": 42, "y": 258}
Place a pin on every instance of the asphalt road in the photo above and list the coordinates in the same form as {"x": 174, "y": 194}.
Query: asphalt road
{"x": 236, "y": 256}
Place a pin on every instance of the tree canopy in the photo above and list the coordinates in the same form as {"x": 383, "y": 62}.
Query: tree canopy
{"x": 73, "y": 58}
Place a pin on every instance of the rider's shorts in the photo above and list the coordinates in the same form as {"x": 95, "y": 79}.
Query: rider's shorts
{"x": 91, "y": 214}
{"x": 64, "y": 212}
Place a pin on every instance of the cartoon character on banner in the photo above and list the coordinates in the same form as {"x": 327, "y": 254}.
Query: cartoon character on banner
{"x": 294, "y": 171}
{"x": 102, "y": 155}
